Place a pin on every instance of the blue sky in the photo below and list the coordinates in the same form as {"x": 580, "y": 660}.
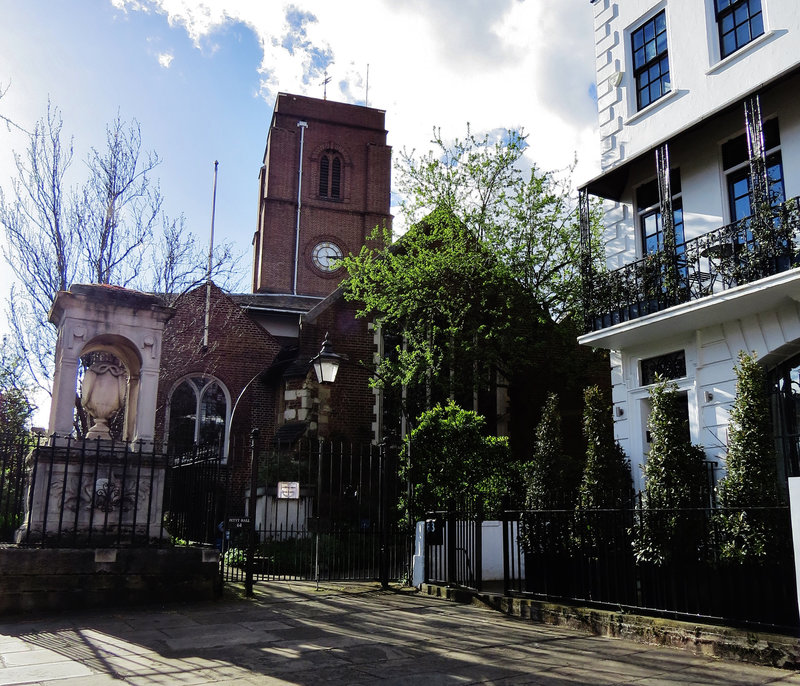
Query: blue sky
{"x": 201, "y": 78}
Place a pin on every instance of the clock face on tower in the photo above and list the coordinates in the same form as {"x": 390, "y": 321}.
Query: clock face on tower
{"x": 326, "y": 256}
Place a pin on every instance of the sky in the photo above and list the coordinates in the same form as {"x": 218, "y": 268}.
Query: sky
{"x": 201, "y": 76}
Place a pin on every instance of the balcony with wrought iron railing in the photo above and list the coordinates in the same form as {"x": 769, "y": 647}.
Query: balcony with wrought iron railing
{"x": 753, "y": 248}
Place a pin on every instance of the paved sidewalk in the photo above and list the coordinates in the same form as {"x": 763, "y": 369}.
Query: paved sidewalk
{"x": 350, "y": 634}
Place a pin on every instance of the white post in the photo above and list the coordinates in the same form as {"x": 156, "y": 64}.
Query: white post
{"x": 794, "y": 509}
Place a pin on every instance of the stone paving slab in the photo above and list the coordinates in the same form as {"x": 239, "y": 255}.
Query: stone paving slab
{"x": 292, "y": 633}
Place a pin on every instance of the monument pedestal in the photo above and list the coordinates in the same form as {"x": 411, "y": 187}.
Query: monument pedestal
{"x": 93, "y": 493}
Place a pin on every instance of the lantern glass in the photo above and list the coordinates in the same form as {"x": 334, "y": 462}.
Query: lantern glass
{"x": 326, "y": 369}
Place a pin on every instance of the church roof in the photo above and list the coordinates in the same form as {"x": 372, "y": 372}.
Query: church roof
{"x": 276, "y": 302}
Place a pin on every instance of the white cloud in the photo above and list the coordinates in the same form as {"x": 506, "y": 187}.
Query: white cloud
{"x": 165, "y": 59}
{"x": 508, "y": 63}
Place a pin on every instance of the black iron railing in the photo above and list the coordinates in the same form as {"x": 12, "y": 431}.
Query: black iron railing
{"x": 67, "y": 492}
{"x": 745, "y": 251}
{"x": 587, "y": 556}
{"x": 454, "y": 549}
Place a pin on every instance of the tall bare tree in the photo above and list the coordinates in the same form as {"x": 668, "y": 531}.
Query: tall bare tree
{"x": 111, "y": 229}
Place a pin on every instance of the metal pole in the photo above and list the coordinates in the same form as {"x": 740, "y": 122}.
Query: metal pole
{"x": 251, "y": 548}
{"x": 210, "y": 261}
{"x": 384, "y": 514}
{"x": 319, "y": 513}
{"x": 303, "y": 125}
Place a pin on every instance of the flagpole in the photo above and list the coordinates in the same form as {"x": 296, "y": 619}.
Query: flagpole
{"x": 210, "y": 260}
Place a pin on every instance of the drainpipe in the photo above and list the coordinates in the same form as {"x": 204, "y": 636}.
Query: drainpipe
{"x": 303, "y": 126}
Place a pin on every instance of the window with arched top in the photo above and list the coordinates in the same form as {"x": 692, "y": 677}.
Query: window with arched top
{"x": 330, "y": 175}
{"x": 198, "y": 413}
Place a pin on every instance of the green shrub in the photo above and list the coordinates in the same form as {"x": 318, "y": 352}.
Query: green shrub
{"x": 751, "y": 481}
{"x": 671, "y": 525}
{"x": 550, "y": 484}
{"x": 453, "y": 464}
{"x": 606, "y": 481}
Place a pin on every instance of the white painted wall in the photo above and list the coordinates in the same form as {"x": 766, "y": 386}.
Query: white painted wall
{"x": 492, "y": 557}
{"x": 701, "y": 82}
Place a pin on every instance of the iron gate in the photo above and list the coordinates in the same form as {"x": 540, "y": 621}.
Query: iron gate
{"x": 323, "y": 511}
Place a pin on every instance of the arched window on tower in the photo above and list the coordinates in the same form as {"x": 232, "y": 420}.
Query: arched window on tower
{"x": 198, "y": 413}
{"x": 330, "y": 175}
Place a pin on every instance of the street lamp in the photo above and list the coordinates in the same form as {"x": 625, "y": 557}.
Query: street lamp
{"x": 326, "y": 362}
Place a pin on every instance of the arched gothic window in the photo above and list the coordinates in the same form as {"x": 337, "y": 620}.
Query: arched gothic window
{"x": 198, "y": 413}
{"x": 330, "y": 175}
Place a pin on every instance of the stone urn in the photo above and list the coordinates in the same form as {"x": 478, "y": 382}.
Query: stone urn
{"x": 103, "y": 393}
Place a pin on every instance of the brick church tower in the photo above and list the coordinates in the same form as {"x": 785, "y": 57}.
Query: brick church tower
{"x": 324, "y": 186}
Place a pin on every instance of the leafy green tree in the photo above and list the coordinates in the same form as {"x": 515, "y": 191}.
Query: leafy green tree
{"x": 526, "y": 216}
{"x": 482, "y": 286}
{"x": 453, "y": 464}
{"x": 551, "y": 478}
{"x": 672, "y": 525}
{"x": 456, "y": 305}
{"x": 550, "y": 474}
{"x": 16, "y": 407}
{"x": 748, "y": 532}
{"x": 606, "y": 481}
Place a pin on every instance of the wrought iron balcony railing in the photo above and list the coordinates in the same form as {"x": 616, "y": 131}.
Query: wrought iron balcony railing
{"x": 745, "y": 251}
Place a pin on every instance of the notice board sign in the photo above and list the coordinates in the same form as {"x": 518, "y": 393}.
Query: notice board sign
{"x": 289, "y": 490}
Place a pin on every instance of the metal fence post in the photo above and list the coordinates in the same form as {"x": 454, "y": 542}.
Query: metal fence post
{"x": 452, "y": 574}
{"x": 383, "y": 457}
{"x": 251, "y": 548}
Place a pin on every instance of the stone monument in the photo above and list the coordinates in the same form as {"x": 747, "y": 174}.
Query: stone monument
{"x": 101, "y": 487}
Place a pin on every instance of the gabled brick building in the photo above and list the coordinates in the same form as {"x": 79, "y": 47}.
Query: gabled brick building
{"x": 323, "y": 188}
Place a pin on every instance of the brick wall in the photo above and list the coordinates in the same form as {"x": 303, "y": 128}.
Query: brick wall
{"x": 352, "y": 401}
{"x": 238, "y": 349}
{"x": 358, "y": 135}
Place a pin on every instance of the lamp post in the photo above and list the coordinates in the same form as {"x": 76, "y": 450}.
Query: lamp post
{"x": 326, "y": 366}
{"x": 326, "y": 362}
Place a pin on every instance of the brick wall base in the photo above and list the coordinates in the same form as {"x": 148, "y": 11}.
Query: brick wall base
{"x": 775, "y": 650}
{"x": 37, "y": 580}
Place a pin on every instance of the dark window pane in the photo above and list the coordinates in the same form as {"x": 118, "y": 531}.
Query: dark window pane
{"x": 182, "y": 410}
{"x": 741, "y": 208}
{"x": 213, "y": 407}
{"x": 647, "y": 195}
{"x": 734, "y": 152}
{"x": 336, "y": 178}
{"x": 661, "y": 43}
{"x": 772, "y": 136}
{"x": 655, "y": 91}
{"x": 669, "y": 366}
{"x": 324, "y": 165}
{"x": 743, "y": 34}
{"x": 727, "y": 23}
{"x": 661, "y": 23}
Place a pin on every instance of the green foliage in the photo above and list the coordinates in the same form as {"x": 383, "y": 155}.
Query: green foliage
{"x": 488, "y": 265}
{"x": 606, "y": 481}
{"x": 453, "y": 464}
{"x": 751, "y": 481}
{"x": 550, "y": 480}
{"x": 675, "y": 484}
{"x": 526, "y": 218}
{"x": 16, "y": 406}
{"x": 455, "y": 303}
{"x": 547, "y": 472}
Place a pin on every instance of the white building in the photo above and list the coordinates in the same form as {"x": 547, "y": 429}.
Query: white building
{"x": 709, "y": 90}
